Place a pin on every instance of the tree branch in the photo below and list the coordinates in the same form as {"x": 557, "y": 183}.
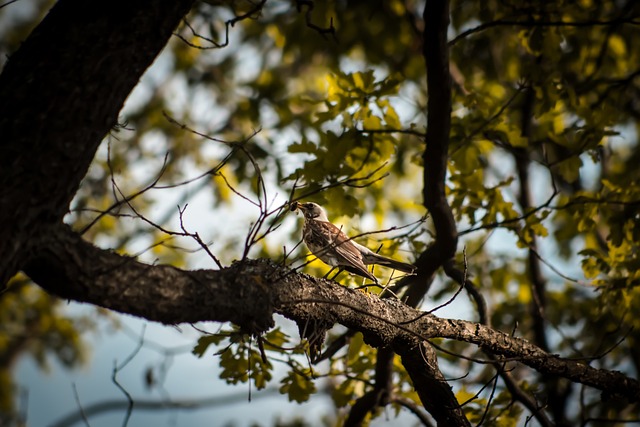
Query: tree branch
{"x": 248, "y": 293}
{"x": 421, "y": 362}
{"x": 82, "y": 54}
{"x": 381, "y": 392}
{"x": 435, "y": 155}
{"x": 74, "y": 269}
{"x": 112, "y": 405}
{"x": 542, "y": 23}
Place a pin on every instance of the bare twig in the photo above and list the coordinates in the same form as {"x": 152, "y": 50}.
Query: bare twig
{"x": 117, "y": 368}
{"x": 230, "y": 23}
{"x": 196, "y": 237}
{"x": 162, "y": 405}
{"x": 527, "y": 214}
{"x": 126, "y": 199}
{"x": 413, "y": 407}
{"x": 309, "y": 4}
{"x": 80, "y": 408}
{"x": 540, "y": 23}
{"x": 7, "y": 3}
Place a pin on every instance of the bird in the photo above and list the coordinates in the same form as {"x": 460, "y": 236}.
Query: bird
{"x": 328, "y": 243}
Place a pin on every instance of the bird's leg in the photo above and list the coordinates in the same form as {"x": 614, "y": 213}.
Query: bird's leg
{"x": 386, "y": 289}
{"x": 328, "y": 273}
{"x": 335, "y": 275}
{"x": 364, "y": 285}
{"x": 373, "y": 267}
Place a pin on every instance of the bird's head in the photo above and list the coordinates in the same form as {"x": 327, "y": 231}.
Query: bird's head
{"x": 310, "y": 210}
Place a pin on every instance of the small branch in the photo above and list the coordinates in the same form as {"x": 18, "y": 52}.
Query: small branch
{"x": 509, "y": 221}
{"x": 81, "y": 411}
{"x": 493, "y": 391}
{"x": 230, "y": 23}
{"x": 7, "y": 3}
{"x": 127, "y": 199}
{"x": 488, "y": 121}
{"x": 196, "y": 237}
{"x": 541, "y": 23}
{"x": 461, "y": 278}
{"x": 117, "y": 368}
{"x": 309, "y": 4}
{"x": 387, "y": 131}
{"x": 161, "y": 405}
{"x": 414, "y": 408}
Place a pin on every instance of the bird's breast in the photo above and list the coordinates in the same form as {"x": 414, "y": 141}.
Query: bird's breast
{"x": 314, "y": 238}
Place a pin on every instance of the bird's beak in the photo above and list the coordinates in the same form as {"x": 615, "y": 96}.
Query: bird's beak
{"x": 295, "y": 206}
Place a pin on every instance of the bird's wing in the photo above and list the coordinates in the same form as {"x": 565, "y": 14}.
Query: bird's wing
{"x": 373, "y": 258}
{"x": 344, "y": 248}
{"x": 370, "y": 257}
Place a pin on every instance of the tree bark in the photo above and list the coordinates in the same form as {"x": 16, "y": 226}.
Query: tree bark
{"x": 74, "y": 73}
{"x": 249, "y": 292}
{"x": 421, "y": 362}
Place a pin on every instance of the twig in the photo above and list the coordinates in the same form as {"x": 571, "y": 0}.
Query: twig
{"x": 413, "y": 407}
{"x": 80, "y": 408}
{"x": 322, "y": 31}
{"x": 534, "y": 23}
{"x": 508, "y": 221}
{"x": 196, "y": 237}
{"x": 227, "y": 24}
{"x": 117, "y": 368}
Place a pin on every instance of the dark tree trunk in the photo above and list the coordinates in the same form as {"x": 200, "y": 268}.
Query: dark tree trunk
{"x": 83, "y": 54}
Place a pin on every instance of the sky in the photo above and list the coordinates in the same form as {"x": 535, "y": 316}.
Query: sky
{"x": 50, "y": 397}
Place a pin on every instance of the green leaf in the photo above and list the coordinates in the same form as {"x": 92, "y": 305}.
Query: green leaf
{"x": 204, "y": 342}
{"x": 297, "y": 387}
{"x": 569, "y": 169}
{"x": 363, "y": 81}
{"x": 304, "y": 146}
{"x": 355, "y": 346}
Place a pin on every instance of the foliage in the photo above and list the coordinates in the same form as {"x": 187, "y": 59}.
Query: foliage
{"x": 325, "y": 101}
{"x": 32, "y": 322}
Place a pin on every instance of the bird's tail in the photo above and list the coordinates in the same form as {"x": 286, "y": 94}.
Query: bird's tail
{"x": 373, "y": 258}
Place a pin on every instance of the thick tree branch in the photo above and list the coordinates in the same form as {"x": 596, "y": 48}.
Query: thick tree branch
{"x": 423, "y": 367}
{"x": 381, "y": 392}
{"x": 435, "y": 155}
{"x": 525, "y": 199}
{"x": 82, "y": 54}
{"x": 436, "y": 54}
{"x": 421, "y": 362}
{"x": 248, "y": 293}
{"x": 74, "y": 269}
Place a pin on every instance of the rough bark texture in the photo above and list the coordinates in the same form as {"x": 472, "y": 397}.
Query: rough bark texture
{"x": 418, "y": 358}
{"x": 74, "y": 72}
{"x": 248, "y": 293}
{"x": 74, "y": 269}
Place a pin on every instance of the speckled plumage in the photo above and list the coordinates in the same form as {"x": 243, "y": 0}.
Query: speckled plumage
{"x": 333, "y": 247}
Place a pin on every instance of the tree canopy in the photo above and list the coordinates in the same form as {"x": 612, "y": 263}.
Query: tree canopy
{"x": 493, "y": 144}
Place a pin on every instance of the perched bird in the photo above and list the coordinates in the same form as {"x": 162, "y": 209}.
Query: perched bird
{"x": 333, "y": 247}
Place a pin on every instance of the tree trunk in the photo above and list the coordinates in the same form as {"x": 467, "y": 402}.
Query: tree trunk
{"x": 69, "y": 80}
